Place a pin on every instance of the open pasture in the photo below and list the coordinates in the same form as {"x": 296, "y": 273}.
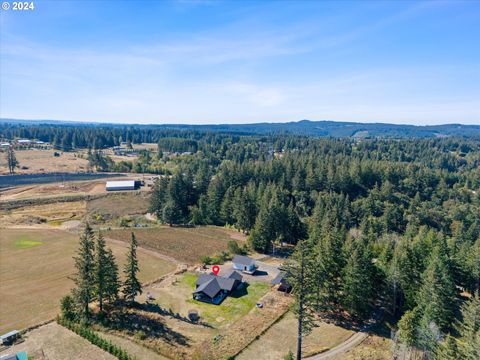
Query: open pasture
{"x": 35, "y": 266}
{"x": 184, "y": 244}
{"x": 43, "y": 161}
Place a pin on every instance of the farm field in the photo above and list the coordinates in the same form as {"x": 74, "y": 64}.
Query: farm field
{"x": 35, "y": 265}
{"x": 53, "y": 341}
{"x": 42, "y": 161}
{"x": 184, "y": 244}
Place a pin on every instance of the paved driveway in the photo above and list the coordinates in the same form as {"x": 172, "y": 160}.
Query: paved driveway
{"x": 265, "y": 272}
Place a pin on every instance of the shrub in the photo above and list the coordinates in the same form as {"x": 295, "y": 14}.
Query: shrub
{"x": 95, "y": 339}
{"x": 67, "y": 305}
{"x": 140, "y": 335}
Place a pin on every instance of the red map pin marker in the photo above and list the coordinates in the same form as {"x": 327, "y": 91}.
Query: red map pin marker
{"x": 216, "y": 269}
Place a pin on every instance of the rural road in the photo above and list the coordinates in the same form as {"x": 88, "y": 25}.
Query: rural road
{"x": 348, "y": 344}
{"x": 351, "y": 342}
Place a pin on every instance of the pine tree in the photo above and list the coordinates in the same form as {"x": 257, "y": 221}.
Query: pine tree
{"x": 101, "y": 269}
{"x": 447, "y": 349}
{"x": 358, "y": 279}
{"x": 112, "y": 281}
{"x": 85, "y": 277}
{"x": 329, "y": 261}
{"x": 436, "y": 297}
{"x": 469, "y": 329}
{"x": 131, "y": 285}
{"x": 11, "y": 160}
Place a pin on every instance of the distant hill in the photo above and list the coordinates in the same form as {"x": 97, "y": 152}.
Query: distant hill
{"x": 303, "y": 127}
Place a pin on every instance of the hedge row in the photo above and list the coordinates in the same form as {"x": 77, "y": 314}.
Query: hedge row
{"x": 95, "y": 339}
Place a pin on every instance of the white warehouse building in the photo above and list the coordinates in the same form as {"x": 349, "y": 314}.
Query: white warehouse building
{"x": 121, "y": 185}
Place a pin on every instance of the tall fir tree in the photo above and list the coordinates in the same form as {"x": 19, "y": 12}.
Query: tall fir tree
{"x": 85, "y": 276}
{"x": 468, "y": 343}
{"x": 358, "y": 279}
{"x": 112, "y": 280}
{"x": 101, "y": 269}
{"x": 131, "y": 286}
{"x": 299, "y": 276}
{"x": 436, "y": 297}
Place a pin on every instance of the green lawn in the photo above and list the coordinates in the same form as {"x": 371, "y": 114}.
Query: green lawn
{"x": 24, "y": 242}
{"x": 235, "y": 306}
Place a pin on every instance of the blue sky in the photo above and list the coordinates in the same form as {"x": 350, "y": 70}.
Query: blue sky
{"x": 242, "y": 61}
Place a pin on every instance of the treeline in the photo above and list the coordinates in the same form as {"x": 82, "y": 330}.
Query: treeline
{"x": 391, "y": 224}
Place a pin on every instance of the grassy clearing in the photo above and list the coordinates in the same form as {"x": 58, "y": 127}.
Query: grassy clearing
{"x": 268, "y": 346}
{"x": 34, "y": 278}
{"x": 233, "y": 307}
{"x": 184, "y": 244}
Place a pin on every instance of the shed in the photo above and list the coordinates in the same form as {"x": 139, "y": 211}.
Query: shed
{"x": 121, "y": 185}
{"x": 22, "y": 355}
{"x": 244, "y": 263}
{"x": 9, "y": 337}
{"x": 282, "y": 282}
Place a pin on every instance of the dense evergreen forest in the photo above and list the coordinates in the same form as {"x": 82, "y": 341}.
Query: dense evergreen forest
{"x": 391, "y": 224}
{"x": 377, "y": 223}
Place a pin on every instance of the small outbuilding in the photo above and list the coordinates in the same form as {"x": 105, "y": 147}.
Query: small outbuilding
{"x": 281, "y": 283}
{"x": 121, "y": 185}
{"x": 10, "y": 337}
{"x": 244, "y": 263}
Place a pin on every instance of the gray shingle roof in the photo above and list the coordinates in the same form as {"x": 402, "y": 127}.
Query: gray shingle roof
{"x": 243, "y": 260}
{"x": 279, "y": 278}
{"x": 210, "y": 284}
{"x": 210, "y": 288}
{"x": 234, "y": 275}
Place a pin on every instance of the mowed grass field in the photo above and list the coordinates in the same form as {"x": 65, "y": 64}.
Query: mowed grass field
{"x": 35, "y": 266}
{"x": 184, "y": 244}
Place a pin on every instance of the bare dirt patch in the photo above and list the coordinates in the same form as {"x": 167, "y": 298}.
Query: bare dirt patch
{"x": 183, "y": 244}
{"x": 34, "y": 278}
{"x": 54, "y": 342}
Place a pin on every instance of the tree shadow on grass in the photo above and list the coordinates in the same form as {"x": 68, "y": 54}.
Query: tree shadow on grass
{"x": 134, "y": 322}
{"x": 157, "y": 309}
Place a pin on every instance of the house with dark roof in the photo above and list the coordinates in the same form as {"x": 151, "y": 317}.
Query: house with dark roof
{"x": 281, "y": 282}
{"x": 213, "y": 289}
{"x": 244, "y": 263}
